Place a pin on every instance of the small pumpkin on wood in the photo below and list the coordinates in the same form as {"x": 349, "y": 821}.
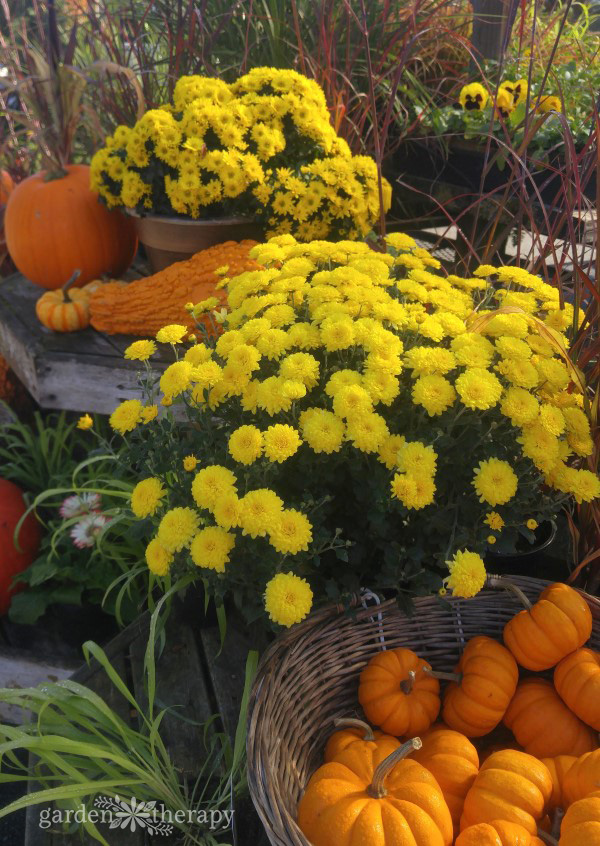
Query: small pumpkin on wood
{"x": 511, "y": 786}
{"x": 497, "y": 833}
{"x": 577, "y": 680}
{"x": 355, "y": 731}
{"x": 582, "y": 778}
{"x": 64, "y": 310}
{"x": 542, "y": 723}
{"x": 453, "y": 760}
{"x": 557, "y": 624}
{"x": 365, "y": 797}
{"x": 482, "y": 685}
{"x": 581, "y": 823}
{"x": 397, "y": 695}
{"x": 558, "y": 768}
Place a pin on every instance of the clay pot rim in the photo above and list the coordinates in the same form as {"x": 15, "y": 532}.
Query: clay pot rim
{"x": 190, "y": 221}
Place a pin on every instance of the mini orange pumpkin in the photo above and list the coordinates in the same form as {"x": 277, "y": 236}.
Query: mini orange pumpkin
{"x": 453, "y": 760}
{"x": 542, "y": 723}
{"x": 64, "y": 310}
{"x": 559, "y": 623}
{"x": 582, "y": 778}
{"x": 367, "y": 798}
{"x": 497, "y": 833}
{"x": 577, "y": 680}
{"x": 511, "y": 786}
{"x": 581, "y": 823}
{"x": 355, "y": 731}
{"x": 397, "y": 695}
{"x": 483, "y": 684}
{"x": 6, "y": 186}
{"x": 558, "y": 767}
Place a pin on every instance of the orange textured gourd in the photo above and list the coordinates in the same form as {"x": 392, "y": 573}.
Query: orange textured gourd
{"x": 582, "y": 778}
{"x": 6, "y": 186}
{"x": 557, "y": 624}
{"x": 397, "y": 695}
{"x": 511, "y": 786}
{"x": 581, "y": 823}
{"x": 486, "y": 679}
{"x": 64, "y": 310}
{"x": 453, "y": 760}
{"x": 148, "y": 304}
{"x": 354, "y": 731}
{"x": 542, "y": 723}
{"x": 558, "y": 768}
{"x": 497, "y": 833}
{"x": 55, "y": 226}
{"x": 365, "y": 798}
{"x": 577, "y": 680}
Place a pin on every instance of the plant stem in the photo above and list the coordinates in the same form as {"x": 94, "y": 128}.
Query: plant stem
{"x": 377, "y": 787}
{"x": 351, "y": 722}
{"x": 438, "y": 674}
{"x": 67, "y": 285}
{"x": 407, "y": 685}
{"x": 499, "y": 582}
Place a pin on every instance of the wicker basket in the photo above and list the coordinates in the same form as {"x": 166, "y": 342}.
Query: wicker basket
{"x": 309, "y": 676}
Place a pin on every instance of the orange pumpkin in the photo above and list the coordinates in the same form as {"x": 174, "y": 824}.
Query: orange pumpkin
{"x": 558, "y": 768}
{"x": 582, "y": 778}
{"x": 354, "y": 731}
{"x": 397, "y": 695}
{"x": 577, "y": 680}
{"x": 511, "y": 786}
{"x": 364, "y": 797}
{"x": 55, "y": 226}
{"x": 557, "y": 624}
{"x": 64, "y": 310}
{"x": 542, "y": 723}
{"x": 15, "y": 557}
{"x": 581, "y": 823}
{"x": 497, "y": 833}
{"x": 483, "y": 684}
{"x": 6, "y": 186}
{"x": 453, "y": 760}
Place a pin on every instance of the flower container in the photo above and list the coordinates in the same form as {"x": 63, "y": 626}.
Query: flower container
{"x": 309, "y": 677}
{"x": 170, "y": 239}
{"x": 544, "y": 559}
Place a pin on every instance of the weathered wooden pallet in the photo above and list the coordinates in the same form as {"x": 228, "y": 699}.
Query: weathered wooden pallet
{"x": 75, "y": 371}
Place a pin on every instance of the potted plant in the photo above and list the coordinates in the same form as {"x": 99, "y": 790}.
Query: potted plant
{"x": 231, "y": 161}
{"x": 362, "y": 421}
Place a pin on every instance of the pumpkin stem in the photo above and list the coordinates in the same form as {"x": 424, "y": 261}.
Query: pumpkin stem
{"x": 407, "y": 685}
{"x": 547, "y": 838}
{"x": 67, "y": 285}
{"x": 499, "y": 582}
{"x": 376, "y": 789}
{"x": 556, "y": 822}
{"x": 438, "y": 674}
{"x": 351, "y": 722}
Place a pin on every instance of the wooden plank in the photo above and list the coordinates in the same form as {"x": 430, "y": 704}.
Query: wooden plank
{"x": 20, "y": 669}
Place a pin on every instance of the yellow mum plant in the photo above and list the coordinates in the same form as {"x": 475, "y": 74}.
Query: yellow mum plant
{"x": 261, "y": 147}
{"x": 361, "y": 419}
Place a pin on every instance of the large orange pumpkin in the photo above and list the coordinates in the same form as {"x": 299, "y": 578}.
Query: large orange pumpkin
{"x": 511, "y": 786}
{"x": 542, "y": 723}
{"x": 13, "y": 560}
{"x": 577, "y": 680}
{"x": 581, "y": 823}
{"x": 6, "y": 186}
{"x": 56, "y": 226}
{"x": 497, "y": 833}
{"x": 557, "y": 624}
{"x": 558, "y": 768}
{"x": 397, "y": 695}
{"x": 453, "y": 760}
{"x": 366, "y": 798}
{"x": 486, "y": 679}
{"x": 354, "y": 731}
{"x": 582, "y": 778}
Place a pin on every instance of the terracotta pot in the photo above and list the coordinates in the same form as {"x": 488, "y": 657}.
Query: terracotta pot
{"x": 170, "y": 239}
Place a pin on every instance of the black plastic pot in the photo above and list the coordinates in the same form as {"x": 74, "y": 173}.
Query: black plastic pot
{"x": 544, "y": 559}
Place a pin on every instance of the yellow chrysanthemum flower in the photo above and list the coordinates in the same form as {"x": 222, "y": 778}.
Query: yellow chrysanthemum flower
{"x": 227, "y": 510}
{"x": 300, "y": 367}
{"x": 146, "y": 497}
{"x": 435, "y": 393}
{"x": 210, "y": 548}
{"x": 494, "y": 520}
{"x": 172, "y": 334}
{"x": 281, "y": 442}
{"x": 158, "y": 558}
{"x": 176, "y": 379}
{"x": 540, "y": 445}
{"x": 85, "y": 422}
{"x": 519, "y": 406}
{"x": 467, "y": 574}
{"x": 495, "y": 481}
{"x": 352, "y": 401}
{"x": 177, "y": 528}
{"x": 478, "y": 388}
{"x": 532, "y": 524}
{"x": 322, "y": 430}
{"x": 413, "y": 491}
{"x": 140, "y": 350}
{"x": 190, "y": 462}
{"x": 126, "y": 416}
{"x": 246, "y": 444}
{"x": 388, "y": 452}
{"x": 288, "y": 599}
{"x": 417, "y": 459}
{"x": 290, "y": 532}
{"x": 149, "y": 413}
{"x": 367, "y": 432}
{"x": 259, "y": 511}
{"x": 210, "y": 483}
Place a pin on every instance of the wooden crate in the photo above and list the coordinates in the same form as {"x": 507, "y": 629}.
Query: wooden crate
{"x": 76, "y": 371}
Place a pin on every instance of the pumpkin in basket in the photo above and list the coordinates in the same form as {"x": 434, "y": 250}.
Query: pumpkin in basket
{"x": 556, "y": 625}
{"x": 542, "y": 723}
{"x": 558, "y": 768}
{"x": 453, "y": 760}
{"x": 582, "y": 778}
{"x": 355, "y": 731}
{"x": 484, "y": 682}
{"x": 581, "y": 823}
{"x": 366, "y": 798}
{"x": 511, "y": 786}
{"x": 64, "y": 310}
{"x": 577, "y": 680}
{"x": 397, "y": 694}
{"x": 497, "y": 833}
